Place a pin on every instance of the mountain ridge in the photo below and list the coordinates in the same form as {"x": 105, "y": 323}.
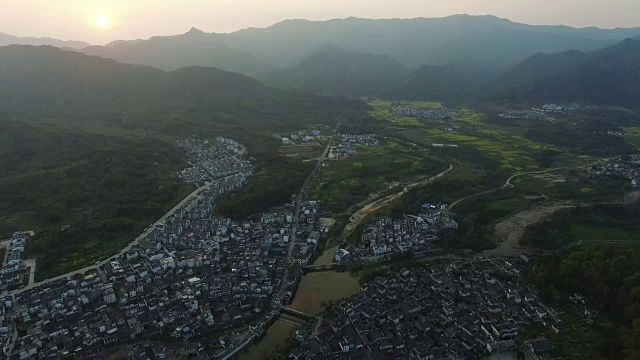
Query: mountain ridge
{"x": 58, "y": 85}
{"x": 334, "y": 71}
{"x": 8, "y": 39}
{"x": 609, "y": 76}
{"x": 414, "y": 42}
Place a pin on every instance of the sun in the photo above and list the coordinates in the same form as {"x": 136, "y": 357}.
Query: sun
{"x": 102, "y": 20}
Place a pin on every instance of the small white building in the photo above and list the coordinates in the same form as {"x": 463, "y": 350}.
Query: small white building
{"x": 341, "y": 255}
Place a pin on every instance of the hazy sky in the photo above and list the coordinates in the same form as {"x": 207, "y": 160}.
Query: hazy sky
{"x": 101, "y": 21}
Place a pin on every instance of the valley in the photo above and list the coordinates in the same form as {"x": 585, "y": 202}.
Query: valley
{"x": 463, "y": 187}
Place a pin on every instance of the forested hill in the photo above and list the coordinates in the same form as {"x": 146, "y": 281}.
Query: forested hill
{"x": 540, "y": 66}
{"x": 607, "y": 76}
{"x": 51, "y": 78}
{"x": 431, "y": 83}
{"x": 106, "y": 189}
{"x": 331, "y": 70}
{"x": 609, "y": 276}
{"x": 64, "y": 84}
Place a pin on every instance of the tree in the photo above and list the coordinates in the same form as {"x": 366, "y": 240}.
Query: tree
{"x": 518, "y": 354}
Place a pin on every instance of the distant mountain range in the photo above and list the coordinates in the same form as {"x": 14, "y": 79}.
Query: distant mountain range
{"x": 6, "y": 39}
{"x": 189, "y": 49}
{"x": 420, "y": 41}
{"x": 610, "y": 76}
{"x": 490, "y": 43}
{"x": 457, "y": 57}
{"x": 332, "y": 70}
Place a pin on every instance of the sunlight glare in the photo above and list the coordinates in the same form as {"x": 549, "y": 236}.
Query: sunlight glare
{"x": 102, "y": 20}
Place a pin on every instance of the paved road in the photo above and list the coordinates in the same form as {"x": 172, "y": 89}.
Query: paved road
{"x": 507, "y": 184}
{"x": 121, "y": 252}
{"x": 278, "y": 297}
{"x": 609, "y": 241}
{"x": 299, "y": 199}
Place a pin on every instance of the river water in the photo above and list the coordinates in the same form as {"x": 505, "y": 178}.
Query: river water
{"x": 314, "y": 289}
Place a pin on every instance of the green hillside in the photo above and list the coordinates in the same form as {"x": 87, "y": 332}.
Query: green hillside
{"x": 607, "y": 76}
{"x": 431, "y": 83}
{"x": 333, "y": 71}
{"x": 68, "y": 86}
{"x": 105, "y": 188}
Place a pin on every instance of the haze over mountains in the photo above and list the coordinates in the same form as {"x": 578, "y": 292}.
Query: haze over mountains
{"x": 486, "y": 40}
{"x": 6, "y": 39}
{"x": 457, "y": 57}
{"x": 609, "y": 76}
{"x": 332, "y": 70}
{"x": 416, "y": 42}
{"x": 173, "y": 52}
{"x": 61, "y": 85}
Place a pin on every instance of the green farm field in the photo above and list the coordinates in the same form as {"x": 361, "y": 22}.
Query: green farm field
{"x": 345, "y": 182}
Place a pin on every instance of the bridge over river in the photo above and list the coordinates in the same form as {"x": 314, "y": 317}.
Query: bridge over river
{"x": 296, "y": 313}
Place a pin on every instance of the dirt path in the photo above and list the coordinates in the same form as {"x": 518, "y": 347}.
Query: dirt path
{"x": 361, "y": 214}
{"x": 510, "y": 231}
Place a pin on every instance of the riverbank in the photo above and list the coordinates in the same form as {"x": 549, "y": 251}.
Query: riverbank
{"x": 275, "y": 335}
{"x": 313, "y": 289}
{"x": 313, "y": 292}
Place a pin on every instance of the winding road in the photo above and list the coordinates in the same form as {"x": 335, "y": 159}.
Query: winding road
{"x": 120, "y": 253}
{"x": 506, "y": 185}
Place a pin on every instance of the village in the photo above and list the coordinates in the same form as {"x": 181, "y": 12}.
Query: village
{"x": 301, "y": 137}
{"x": 213, "y": 159}
{"x": 626, "y": 168}
{"x": 458, "y": 310}
{"x": 13, "y": 270}
{"x": 193, "y": 274}
{"x": 544, "y": 112}
{"x": 347, "y": 143}
{"x": 430, "y": 112}
{"x": 414, "y": 234}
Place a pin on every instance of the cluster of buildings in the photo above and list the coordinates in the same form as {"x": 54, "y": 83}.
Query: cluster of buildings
{"x": 214, "y": 159}
{"x": 359, "y": 139}
{"x": 626, "y": 168}
{"x": 445, "y": 145}
{"x": 194, "y": 276}
{"x": 616, "y": 133}
{"x": 308, "y": 233}
{"x": 11, "y": 269}
{"x": 125, "y": 300}
{"x": 415, "y": 234}
{"x": 439, "y": 112}
{"x": 299, "y": 137}
{"x": 544, "y": 112}
{"x": 347, "y": 143}
{"x": 464, "y": 310}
